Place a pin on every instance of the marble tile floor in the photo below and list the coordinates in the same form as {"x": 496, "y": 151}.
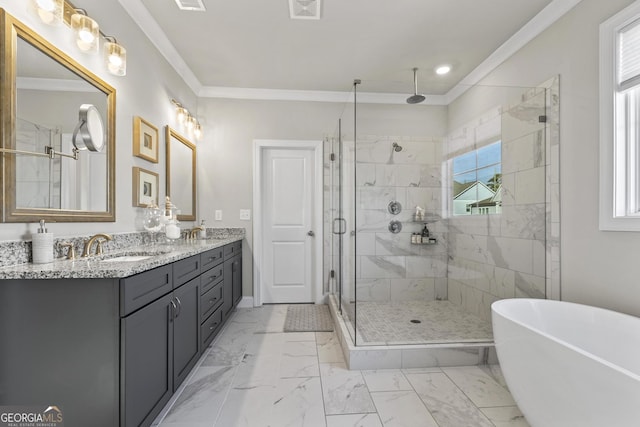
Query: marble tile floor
{"x": 389, "y": 323}
{"x": 255, "y": 375}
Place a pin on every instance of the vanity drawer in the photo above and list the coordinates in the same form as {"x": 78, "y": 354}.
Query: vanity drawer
{"x": 210, "y": 328}
{"x": 210, "y": 300}
{"x": 210, "y": 278}
{"x": 185, "y": 270}
{"x": 141, "y": 289}
{"x": 211, "y": 258}
{"x": 232, "y": 249}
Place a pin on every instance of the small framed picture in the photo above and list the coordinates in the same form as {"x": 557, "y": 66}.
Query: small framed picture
{"x": 145, "y": 187}
{"x": 145, "y": 140}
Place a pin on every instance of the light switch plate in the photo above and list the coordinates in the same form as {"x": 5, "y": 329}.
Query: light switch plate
{"x": 218, "y": 215}
{"x": 245, "y": 214}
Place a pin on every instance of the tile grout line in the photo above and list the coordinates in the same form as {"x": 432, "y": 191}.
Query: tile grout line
{"x": 468, "y": 397}
{"x": 324, "y": 405}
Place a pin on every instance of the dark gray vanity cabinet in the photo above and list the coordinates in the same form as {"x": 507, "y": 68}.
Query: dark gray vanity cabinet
{"x": 236, "y": 271}
{"x": 159, "y": 342}
{"x": 232, "y": 284}
{"x": 147, "y": 356}
{"x": 112, "y": 351}
{"x": 211, "y": 299}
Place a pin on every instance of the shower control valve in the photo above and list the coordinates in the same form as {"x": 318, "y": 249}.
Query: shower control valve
{"x": 395, "y": 227}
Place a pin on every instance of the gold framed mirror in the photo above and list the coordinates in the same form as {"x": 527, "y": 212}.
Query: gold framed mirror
{"x": 43, "y": 93}
{"x": 181, "y": 174}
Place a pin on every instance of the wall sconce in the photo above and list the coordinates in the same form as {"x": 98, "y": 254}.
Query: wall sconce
{"x": 181, "y": 114}
{"x": 115, "y": 56}
{"x": 86, "y": 30}
{"x": 189, "y": 121}
{"x": 50, "y": 11}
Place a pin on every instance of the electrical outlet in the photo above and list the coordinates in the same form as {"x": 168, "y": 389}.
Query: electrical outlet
{"x": 245, "y": 214}
{"x": 218, "y": 215}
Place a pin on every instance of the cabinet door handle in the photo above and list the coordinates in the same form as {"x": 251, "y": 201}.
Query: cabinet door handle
{"x": 212, "y": 327}
{"x": 211, "y": 301}
{"x": 179, "y": 306}
{"x": 172, "y": 310}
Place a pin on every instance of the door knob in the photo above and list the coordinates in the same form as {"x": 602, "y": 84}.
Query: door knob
{"x": 311, "y": 233}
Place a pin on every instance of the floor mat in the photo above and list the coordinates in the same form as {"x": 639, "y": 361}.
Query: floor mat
{"x": 308, "y": 318}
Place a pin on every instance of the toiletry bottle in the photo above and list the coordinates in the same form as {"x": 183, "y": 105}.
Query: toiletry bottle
{"x": 203, "y": 232}
{"x": 425, "y": 234}
{"x": 42, "y": 245}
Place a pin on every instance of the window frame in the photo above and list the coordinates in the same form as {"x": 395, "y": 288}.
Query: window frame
{"x": 477, "y": 168}
{"x": 619, "y": 204}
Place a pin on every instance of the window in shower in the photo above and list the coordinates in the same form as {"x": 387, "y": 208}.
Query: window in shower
{"x": 477, "y": 181}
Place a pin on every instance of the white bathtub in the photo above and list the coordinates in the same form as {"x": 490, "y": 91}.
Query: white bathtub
{"x": 569, "y": 365}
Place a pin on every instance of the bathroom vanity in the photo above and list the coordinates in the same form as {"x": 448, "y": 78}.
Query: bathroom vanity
{"x": 110, "y": 342}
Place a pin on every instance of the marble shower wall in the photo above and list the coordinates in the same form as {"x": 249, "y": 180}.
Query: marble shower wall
{"x": 388, "y": 266}
{"x": 492, "y": 257}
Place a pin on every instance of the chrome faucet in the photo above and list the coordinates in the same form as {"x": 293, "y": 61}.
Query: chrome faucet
{"x": 192, "y": 233}
{"x": 95, "y": 238}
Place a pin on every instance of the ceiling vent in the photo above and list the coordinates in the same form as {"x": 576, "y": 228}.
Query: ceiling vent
{"x": 304, "y": 9}
{"x": 194, "y": 5}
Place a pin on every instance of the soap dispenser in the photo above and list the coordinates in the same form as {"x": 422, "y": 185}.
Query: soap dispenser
{"x": 203, "y": 231}
{"x": 42, "y": 245}
{"x": 425, "y": 234}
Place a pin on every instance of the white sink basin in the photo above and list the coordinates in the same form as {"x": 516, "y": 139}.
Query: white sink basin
{"x": 127, "y": 258}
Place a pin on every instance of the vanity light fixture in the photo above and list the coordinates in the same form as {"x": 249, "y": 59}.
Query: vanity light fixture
{"x": 86, "y": 30}
{"x": 50, "y": 11}
{"x": 181, "y": 114}
{"x": 185, "y": 118}
{"x": 197, "y": 131}
{"x": 115, "y": 56}
{"x": 190, "y": 123}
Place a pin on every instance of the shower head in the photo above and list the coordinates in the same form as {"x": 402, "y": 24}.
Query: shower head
{"x": 397, "y": 148}
{"x": 415, "y": 98}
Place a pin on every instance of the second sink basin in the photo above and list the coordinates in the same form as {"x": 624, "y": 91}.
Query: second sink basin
{"x": 133, "y": 256}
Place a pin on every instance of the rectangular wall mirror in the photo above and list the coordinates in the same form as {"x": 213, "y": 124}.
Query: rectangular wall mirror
{"x": 42, "y": 92}
{"x": 181, "y": 174}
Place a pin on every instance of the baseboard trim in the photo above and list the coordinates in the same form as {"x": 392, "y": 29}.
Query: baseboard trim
{"x": 245, "y": 302}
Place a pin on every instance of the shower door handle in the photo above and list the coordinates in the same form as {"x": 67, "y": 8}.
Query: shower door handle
{"x": 342, "y": 225}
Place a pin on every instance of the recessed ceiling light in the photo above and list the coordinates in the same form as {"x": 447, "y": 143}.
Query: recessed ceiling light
{"x": 443, "y": 69}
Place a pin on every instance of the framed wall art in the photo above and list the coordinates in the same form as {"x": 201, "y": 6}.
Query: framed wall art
{"x": 145, "y": 187}
{"x": 145, "y": 140}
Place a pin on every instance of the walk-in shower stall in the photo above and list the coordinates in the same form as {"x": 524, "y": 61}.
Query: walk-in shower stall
{"x": 434, "y": 211}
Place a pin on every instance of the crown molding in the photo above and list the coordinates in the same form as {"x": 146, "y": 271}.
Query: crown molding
{"x": 543, "y": 20}
{"x": 311, "y": 95}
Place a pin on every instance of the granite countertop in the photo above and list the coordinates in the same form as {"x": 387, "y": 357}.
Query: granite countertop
{"x": 95, "y": 268}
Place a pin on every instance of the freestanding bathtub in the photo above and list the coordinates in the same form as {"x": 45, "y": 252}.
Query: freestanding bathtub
{"x": 569, "y": 365}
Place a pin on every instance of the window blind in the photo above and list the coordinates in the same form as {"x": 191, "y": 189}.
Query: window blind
{"x": 629, "y": 55}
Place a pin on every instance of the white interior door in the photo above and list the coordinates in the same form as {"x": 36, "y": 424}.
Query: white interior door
{"x": 287, "y": 223}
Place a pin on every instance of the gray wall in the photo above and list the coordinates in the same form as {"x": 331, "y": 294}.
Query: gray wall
{"x": 145, "y": 91}
{"x": 597, "y": 267}
{"x": 225, "y": 157}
